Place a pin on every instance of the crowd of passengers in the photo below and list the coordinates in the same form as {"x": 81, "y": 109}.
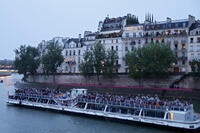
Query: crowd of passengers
{"x": 46, "y": 92}
{"x": 131, "y": 100}
{"x": 107, "y": 98}
{"x": 38, "y": 92}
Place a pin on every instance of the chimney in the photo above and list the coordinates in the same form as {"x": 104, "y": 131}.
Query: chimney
{"x": 79, "y": 37}
{"x": 191, "y": 20}
{"x": 169, "y": 19}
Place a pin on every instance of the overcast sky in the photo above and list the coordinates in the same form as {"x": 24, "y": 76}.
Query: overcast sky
{"x": 31, "y": 21}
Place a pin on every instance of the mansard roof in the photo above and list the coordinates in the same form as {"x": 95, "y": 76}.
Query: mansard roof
{"x": 182, "y": 23}
{"x": 75, "y": 40}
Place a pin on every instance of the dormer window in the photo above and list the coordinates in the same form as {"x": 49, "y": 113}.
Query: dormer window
{"x": 184, "y": 25}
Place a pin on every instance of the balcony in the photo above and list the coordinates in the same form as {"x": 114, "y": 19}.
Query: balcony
{"x": 132, "y": 43}
{"x": 112, "y": 35}
{"x": 165, "y": 34}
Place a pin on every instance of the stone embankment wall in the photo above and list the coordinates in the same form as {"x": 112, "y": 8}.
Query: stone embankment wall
{"x": 190, "y": 82}
{"x": 120, "y": 80}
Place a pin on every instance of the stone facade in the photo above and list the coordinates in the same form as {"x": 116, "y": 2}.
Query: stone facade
{"x": 117, "y": 34}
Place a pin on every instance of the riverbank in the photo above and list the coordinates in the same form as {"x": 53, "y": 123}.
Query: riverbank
{"x": 186, "y": 81}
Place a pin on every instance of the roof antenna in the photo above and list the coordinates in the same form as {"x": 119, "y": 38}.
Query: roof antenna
{"x": 107, "y": 15}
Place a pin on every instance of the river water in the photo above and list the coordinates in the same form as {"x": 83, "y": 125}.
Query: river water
{"x": 15, "y": 119}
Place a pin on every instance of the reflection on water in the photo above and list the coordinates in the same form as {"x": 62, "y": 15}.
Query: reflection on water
{"x": 25, "y": 120}
{"x": 9, "y": 80}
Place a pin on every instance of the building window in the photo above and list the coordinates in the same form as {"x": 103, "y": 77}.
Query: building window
{"x": 127, "y": 35}
{"x": 79, "y": 59}
{"x": 104, "y": 41}
{"x": 183, "y": 62}
{"x": 184, "y": 25}
{"x": 116, "y": 40}
{"x": 157, "y": 40}
{"x": 198, "y": 40}
{"x": 116, "y": 62}
{"x": 176, "y": 25}
{"x": 132, "y": 48}
{"x": 140, "y": 34}
{"x": 176, "y": 46}
{"x": 191, "y": 40}
{"x": 151, "y": 40}
{"x": 134, "y": 34}
{"x": 126, "y": 70}
{"x": 198, "y": 48}
{"x": 74, "y": 52}
{"x": 112, "y": 48}
{"x": 146, "y": 41}
{"x": 169, "y": 40}
{"x": 198, "y": 56}
{"x": 66, "y": 53}
{"x": 79, "y": 52}
{"x": 163, "y": 40}
{"x": 183, "y": 54}
{"x": 183, "y": 46}
{"x": 191, "y": 48}
{"x": 192, "y": 56}
{"x": 116, "y": 48}
{"x": 126, "y": 48}
{"x": 70, "y": 52}
{"x": 139, "y": 41}
{"x": 176, "y": 54}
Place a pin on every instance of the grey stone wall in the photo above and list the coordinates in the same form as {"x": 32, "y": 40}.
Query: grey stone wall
{"x": 120, "y": 80}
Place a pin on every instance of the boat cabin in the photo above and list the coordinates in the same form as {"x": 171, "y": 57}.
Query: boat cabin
{"x": 75, "y": 92}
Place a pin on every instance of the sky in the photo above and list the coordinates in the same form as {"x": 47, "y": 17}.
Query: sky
{"x": 28, "y": 22}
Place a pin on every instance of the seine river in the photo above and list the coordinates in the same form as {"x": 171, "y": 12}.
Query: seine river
{"x": 25, "y": 120}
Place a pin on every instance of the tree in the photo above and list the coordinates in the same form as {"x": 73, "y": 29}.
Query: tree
{"x": 195, "y": 66}
{"x": 98, "y": 58}
{"x": 109, "y": 65}
{"x": 52, "y": 59}
{"x": 27, "y": 60}
{"x": 86, "y": 66}
{"x": 150, "y": 60}
{"x": 132, "y": 20}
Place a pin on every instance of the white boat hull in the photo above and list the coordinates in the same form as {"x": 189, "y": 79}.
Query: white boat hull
{"x": 157, "y": 121}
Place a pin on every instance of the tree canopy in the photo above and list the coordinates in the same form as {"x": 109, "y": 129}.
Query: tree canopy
{"x": 86, "y": 66}
{"x": 27, "y": 60}
{"x": 150, "y": 60}
{"x": 195, "y": 67}
{"x": 109, "y": 65}
{"x": 132, "y": 20}
{"x": 99, "y": 55}
{"x": 52, "y": 59}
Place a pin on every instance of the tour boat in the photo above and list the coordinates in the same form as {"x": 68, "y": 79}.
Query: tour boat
{"x": 79, "y": 101}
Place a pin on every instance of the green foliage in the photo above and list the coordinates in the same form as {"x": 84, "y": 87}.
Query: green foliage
{"x": 150, "y": 60}
{"x": 52, "y": 59}
{"x": 86, "y": 66}
{"x": 195, "y": 66}
{"x": 26, "y": 60}
{"x": 99, "y": 55}
{"x": 109, "y": 65}
{"x": 132, "y": 20}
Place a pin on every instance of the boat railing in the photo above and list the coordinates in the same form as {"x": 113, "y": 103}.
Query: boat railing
{"x": 135, "y": 105}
